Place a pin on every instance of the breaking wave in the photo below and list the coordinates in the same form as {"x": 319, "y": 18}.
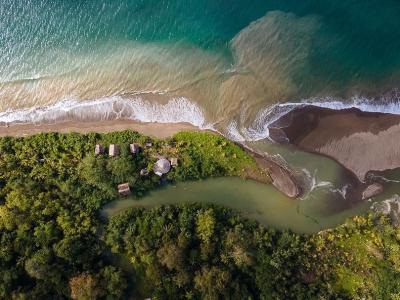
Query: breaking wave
{"x": 176, "y": 110}
{"x": 259, "y": 128}
{"x": 182, "y": 110}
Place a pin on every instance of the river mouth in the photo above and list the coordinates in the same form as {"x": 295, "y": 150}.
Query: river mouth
{"x": 254, "y": 200}
{"x": 364, "y": 143}
{"x": 350, "y": 136}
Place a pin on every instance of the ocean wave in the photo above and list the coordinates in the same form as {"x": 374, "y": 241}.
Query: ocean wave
{"x": 176, "y": 110}
{"x": 180, "y": 109}
{"x": 259, "y": 128}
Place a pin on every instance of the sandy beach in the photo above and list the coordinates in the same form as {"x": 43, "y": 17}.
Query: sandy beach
{"x": 360, "y": 141}
{"x": 158, "y": 130}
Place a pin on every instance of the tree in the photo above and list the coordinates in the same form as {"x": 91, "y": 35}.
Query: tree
{"x": 38, "y": 265}
{"x": 171, "y": 256}
{"x": 122, "y": 169}
{"x": 7, "y": 218}
{"x": 212, "y": 283}
{"x": 205, "y": 224}
{"x": 85, "y": 286}
{"x": 93, "y": 171}
{"x": 113, "y": 282}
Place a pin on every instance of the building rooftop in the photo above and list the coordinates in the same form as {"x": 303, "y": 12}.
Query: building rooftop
{"x": 144, "y": 172}
{"x": 134, "y": 148}
{"x": 99, "y": 149}
{"x": 113, "y": 150}
{"x": 174, "y": 161}
{"x": 124, "y": 189}
{"x": 162, "y": 166}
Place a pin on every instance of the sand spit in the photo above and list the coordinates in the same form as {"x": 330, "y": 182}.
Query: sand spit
{"x": 360, "y": 141}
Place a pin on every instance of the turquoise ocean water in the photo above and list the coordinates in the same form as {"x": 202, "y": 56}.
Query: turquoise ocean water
{"x": 232, "y": 65}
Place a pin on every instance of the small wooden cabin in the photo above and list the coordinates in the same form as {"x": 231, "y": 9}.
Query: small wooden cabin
{"x": 144, "y": 172}
{"x": 134, "y": 148}
{"x": 174, "y": 161}
{"x": 99, "y": 149}
{"x": 124, "y": 189}
{"x": 113, "y": 150}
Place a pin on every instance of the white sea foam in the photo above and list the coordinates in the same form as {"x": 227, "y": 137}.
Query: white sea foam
{"x": 259, "y": 129}
{"x": 315, "y": 183}
{"x": 312, "y": 182}
{"x": 342, "y": 191}
{"x": 232, "y": 132}
{"x": 176, "y": 110}
{"x": 374, "y": 176}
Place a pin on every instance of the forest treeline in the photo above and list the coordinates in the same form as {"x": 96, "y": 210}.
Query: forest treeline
{"x": 54, "y": 244}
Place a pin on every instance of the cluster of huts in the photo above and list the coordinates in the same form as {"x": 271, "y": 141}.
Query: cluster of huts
{"x": 161, "y": 167}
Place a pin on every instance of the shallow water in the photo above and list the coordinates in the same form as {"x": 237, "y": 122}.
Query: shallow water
{"x": 254, "y": 200}
{"x": 232, "y": 60}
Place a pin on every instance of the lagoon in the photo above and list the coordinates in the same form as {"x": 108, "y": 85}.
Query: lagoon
{"x": 254, "y": 200}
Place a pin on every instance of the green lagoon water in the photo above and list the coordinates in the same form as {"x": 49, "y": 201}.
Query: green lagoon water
{"x": 232, "y": 66}
{"x": 321, "y": 207}
{"x": 254, "y": 200}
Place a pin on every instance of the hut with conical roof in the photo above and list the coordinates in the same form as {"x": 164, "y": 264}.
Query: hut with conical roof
{"x": 162, "y": 166}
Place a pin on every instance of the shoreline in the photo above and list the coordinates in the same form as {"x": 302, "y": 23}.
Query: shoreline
{"x": 157, "y": 130}
{"x": 364, "y": 143}
{"x": 351, "y": 137}
{"x": 280, "y": 175}
{"x": 360, "y": 141}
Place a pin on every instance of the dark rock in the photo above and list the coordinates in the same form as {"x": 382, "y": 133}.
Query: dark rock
{"x": 283, "y": 178}
{"x": 390, "y": 208}
{"x": 372, "y": 190}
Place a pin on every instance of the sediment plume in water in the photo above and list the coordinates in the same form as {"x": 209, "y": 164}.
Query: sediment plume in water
{"x": 234, "y": 73}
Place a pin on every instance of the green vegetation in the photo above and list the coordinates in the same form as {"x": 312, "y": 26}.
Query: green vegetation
{"x": 206, "y": 252}
{"x": 209, "y": 155}
{"x": 55, "y": 245}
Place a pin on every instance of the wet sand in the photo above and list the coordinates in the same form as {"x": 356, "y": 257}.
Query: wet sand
{"x": 158, "y": 130}
{"x": 360, "y": 141}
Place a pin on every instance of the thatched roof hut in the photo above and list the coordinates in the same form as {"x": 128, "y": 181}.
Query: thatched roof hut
{"x": 124, "y": 189}
{"x": 134, "y": 148}
{"x": 144, "y": 172}
{"x": 99, "y": 149}
{"x": 113, "y": 150}
{"x": 174, "y": 161}
{"x": 162, "y": 166}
